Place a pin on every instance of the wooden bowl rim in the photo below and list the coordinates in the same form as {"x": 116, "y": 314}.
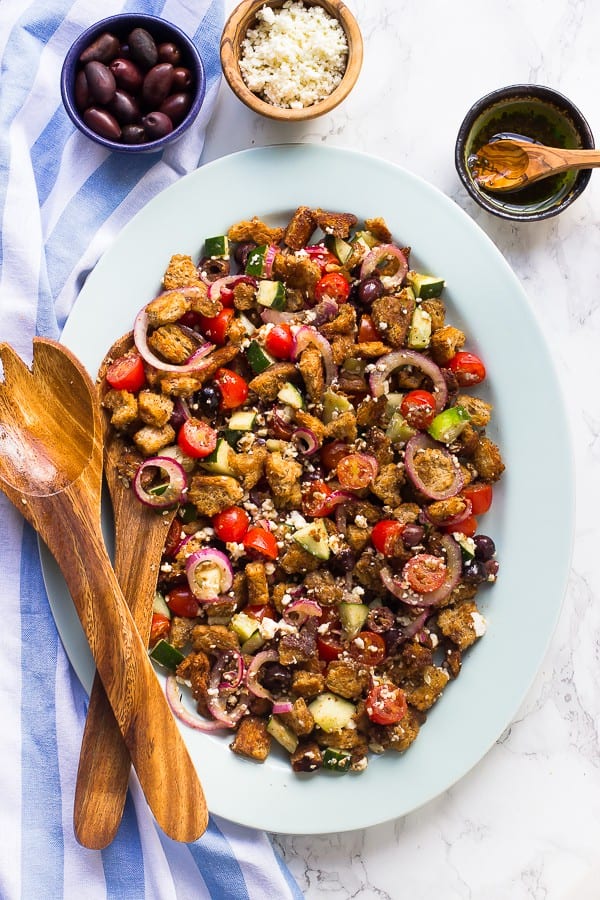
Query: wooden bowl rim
{"x": 234, "y": 31}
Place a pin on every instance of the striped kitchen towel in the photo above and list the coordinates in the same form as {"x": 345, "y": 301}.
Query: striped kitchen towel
{"x": 62, "y": 201}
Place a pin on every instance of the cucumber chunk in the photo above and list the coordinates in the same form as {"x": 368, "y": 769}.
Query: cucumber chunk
{"x": 419, "y": 332}
{"x": 339, "y": 247}
{"x": 258, "y": 357}
{"x": 244, "y": 625}
{"x": 217, "y": 247}
{"x": 448, "y": 424}
{"x": 425, "y": 286}
{"x": 352, "y": 616}
{"x": 242, "y": 420}
{"x": 314, "y": 538}
{"x": 333, "y": 405}
{"x": 290, "y": 394}
{"x": 331, "y": 712}
{"x": 219, "y": 460}
{"x": 336, "y": 760}
{"x": 271, "y": 294}
{"x": 159, "y": 605}
{"x": 166, "y": 655}
{"x": 282, "y": 734}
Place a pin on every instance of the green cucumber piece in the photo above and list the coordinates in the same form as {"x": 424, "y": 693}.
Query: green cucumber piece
{"x": 314, "y": 538}
{"x": 355, "y": 366}
{"x": 244, "y": 625}
{"x": 166, "y": 655}
{"x": 217, "y": 247}
{"x": 290, "y": 394}
{"x": 393, "y": 402}
{"x": 271, "y": 294}
{"x": 352, "y": 616}
{"x": 159, "y": 605}
{"x": 336, "y": 760}
{"x": 219, "y": 460}
{"x": 282, "y": 734}
{"x": 466, "y": 544}
{"x": 242, "y": 420}
{"x": 425, "y": 286}
{"x": 333, "y": 405}
{"x": 255, "y": 263}
{"x": 448, "y": 424}
{"x": 331, "y": 712}
{"x": 254, "y": 643}
{"x": 339, "y": 247}
{"x": 258, "y": 357}
{"x": 419, "y": 332}
{"x": 249, "y": 328}
{"x": 399, "y": 431}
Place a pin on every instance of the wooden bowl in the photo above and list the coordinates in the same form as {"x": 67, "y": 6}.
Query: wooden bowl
{"x": 244, "y": 16}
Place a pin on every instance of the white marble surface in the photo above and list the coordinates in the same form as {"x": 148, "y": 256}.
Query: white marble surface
{"x": 525, "y": 823}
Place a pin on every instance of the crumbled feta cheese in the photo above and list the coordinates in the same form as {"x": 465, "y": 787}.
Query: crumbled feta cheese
{"x": 479, "y": 624}
{"x": 295, "y": 56}
{"x": 360, "y": 521}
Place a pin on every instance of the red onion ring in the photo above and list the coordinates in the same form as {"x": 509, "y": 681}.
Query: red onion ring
{"x": 323, "y": 312}
{"x": 196, "y": 362}
{"x": 421, "y": 442}
{"x": 270, "y": 255}
{"x": 387, "y": 364}
{"x": 213, "y": 557}
{"x": 178, "y": 709}
{"x": 252, "y": 682}
{"x": 238, "y": 673}
{"x": 217, "y": 699}
{"x": 300, "y": 610}
{"x": 224, "y": 286}
{"x": 308, "y": 335}
{"x": 280, "y": 707}
{"x": 173, "y": 491}
{"x": 372, "y": 259}
{"x": 306, "y": 440}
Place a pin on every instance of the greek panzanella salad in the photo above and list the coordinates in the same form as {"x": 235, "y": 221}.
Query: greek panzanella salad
{"x": 300, "y": 397}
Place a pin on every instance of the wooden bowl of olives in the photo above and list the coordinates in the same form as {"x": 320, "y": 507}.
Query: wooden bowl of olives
{"x": 133, "y": 83}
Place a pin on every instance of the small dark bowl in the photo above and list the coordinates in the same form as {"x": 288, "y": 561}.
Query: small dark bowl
{"x": 538, "y": 113}
{"x": 121, "y": 26}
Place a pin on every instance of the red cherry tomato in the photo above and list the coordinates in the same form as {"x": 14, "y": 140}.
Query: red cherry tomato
{"x": 418, "y": 408}
{"x": 197, "y": 438}
{"x": 316, "y": 499}
{"x": 231, "y": 524}
{"x": 334, "y": 286}
{"x": 468, "y": 527}
{"x": 175, "y": 535}
{"x": 159, "y": 628}
{"x": 182, "y": 602}
{"x": 329, "y": 647}
{"x": 385, "y": 534}
{"x": 259, "y": 612}
{"x": 367, "y": 331}
{"x": 357, "y": 471}
{"x": 425, "y": 572}
{"x": 234, "y": 388}
{"x": 216, "y": 327}
{"x": 332, "y": 452}
{"x": 386, "y": 704}
{"x": 279, "y": 341}
{"x": 263, "y": 542}
{"x": 368, "y": 648}
{"x": 480, "y": 495}
{"x": 468, "y": 368}
{"x": 126, "y": 373}
{"x": 322, "y": 256}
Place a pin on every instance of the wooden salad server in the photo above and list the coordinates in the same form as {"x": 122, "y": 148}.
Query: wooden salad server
{"x": 104, "y": 763}
{"x": 51, "y": 469}
{"x": 509, "y": 165}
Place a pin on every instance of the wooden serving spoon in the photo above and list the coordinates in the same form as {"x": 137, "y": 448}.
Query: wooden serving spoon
{"x": 509, "y": 165}
{"x": 51, "y": 470}
{"x": 104, "y": 763}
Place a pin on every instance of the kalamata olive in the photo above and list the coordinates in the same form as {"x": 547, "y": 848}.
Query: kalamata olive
{"x": 380, "y": 619}
{"x": 370, "y": 289}
{"x": 127, "y": 75}
{"x": 484, "y": 547}
{"x": 209, "y": 399}
{"x": 83, "y": 98}
{"x": 474, "y": 571}
{"x": 133, "y": 134}
{"x": 275, "y": 677}
{"x": 492, "y": 567}
{"x": 176, "y": 106}
{"x": 101, "y": 81}
{"x": 103, "y": 49}
{"x": 101, "y": 121}
{"x": 182, "y": 79}
{"x": 142, "y": 48}
{"x": 124, "y": 108}
{"x": 214, "y": 268}
{"x": 157, "y": 84}
{"x": 169, "y": 52}
{"x": 342, "y": 562}
{"x": 393, "y": 638}
{"x": 412, "y": 534}
{"x": 156, "y": 125}
{"x": 240, "y": 254}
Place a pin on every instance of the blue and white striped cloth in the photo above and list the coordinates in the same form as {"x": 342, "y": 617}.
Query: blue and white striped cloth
{"x": 62, "y": 201}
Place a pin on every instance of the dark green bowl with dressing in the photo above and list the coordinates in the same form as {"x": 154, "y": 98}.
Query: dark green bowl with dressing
{"x": 531, "y": 112}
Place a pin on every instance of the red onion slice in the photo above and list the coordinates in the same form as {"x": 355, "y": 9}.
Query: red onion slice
{"x": 196, "y": 362}
{"x": 223, "y": 287}
{"x": 419, "y": 443}
{"x": 306, "y": 441}
{"x": 322, "y": 312}
{"x": 387, "y": 364}
{"x": 270, "y": 255}
{"x": 300, "y": 610}
{"x": 217, "y": 700}
{"x": 231, "y": 678}
{"x": 372, "y": 260}
{"x": 209, "y": 574}
{"x": 309, "y": 335}
{"x": 402, "y": 591}
{"x": 280, "y": 707}
{"x": 184, "y": 715}
{"x": 173, "y": 491}
{"x": 252, "y": 682}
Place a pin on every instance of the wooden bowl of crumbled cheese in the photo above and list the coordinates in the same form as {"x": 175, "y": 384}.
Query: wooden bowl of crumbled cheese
{"x": 291, "y": 59}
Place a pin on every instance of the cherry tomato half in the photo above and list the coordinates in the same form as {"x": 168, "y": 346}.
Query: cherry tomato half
{"x": 329, "y": 647}
{"x": 216, "y": 327}
{"x": 174, "y": 537}
{"x": 334, "y": 286}
{"x": 316, "y": 499}
{"x": 279, "y": 341}
{"x": 357, "y": 471}
{"x": 385, "y": 534}
{"x": 231, "y": 524}
{"x": 182, "y": 602}
{"x": 386, "y": 704}
{"x": 197, "y": 438}
{"x": 332, "y": 452}
{"x": 425, "y": 572}
{"x": 480, "y": 495}
{"x": 263, "y": 542}
{"x": 159, "y": 628}
{"x": 418, "y": 408}
{"x": 468, "y": 368}
{"x": 368, "y": 648}
{"x": 126, "y": 373}
{"x": 234, "y": 388}
{"x": 367, "y": 331}
{"x": 468, "y": 527}
{"x": 258, "y": 612}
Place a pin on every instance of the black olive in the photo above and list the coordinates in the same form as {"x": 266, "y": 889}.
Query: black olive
{"x": 209, "y": 399}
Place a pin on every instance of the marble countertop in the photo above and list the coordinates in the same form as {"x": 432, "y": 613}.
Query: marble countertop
{"x": 525, "y": 823}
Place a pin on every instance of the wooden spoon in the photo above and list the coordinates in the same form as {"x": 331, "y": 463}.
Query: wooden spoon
{"x": 51, "y": 470}
{"x": 104, "y": 763}
{"x": 509, "y": 165}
